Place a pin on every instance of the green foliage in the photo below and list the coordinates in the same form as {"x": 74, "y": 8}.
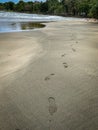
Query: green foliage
{"x": 56, "y": 7}
{"x": 28, "y": 7}
{"x": 1, "y": 6}
{"x": 9, "y": 5}
{"x": 36, "y": 7}
{"x": 94, "y": 10}
{"x": 44, "y": 7}
{"x": 20, "y": 6}
{"x": 52, "y": 6}
{"x": 83, "y": 7}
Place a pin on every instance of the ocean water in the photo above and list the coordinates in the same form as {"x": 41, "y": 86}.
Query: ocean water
{"x": 23, "y": 17}
{"x": 12, "y": 21}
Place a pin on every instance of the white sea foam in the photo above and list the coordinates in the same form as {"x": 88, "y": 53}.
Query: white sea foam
{"x": 23, "y": 17}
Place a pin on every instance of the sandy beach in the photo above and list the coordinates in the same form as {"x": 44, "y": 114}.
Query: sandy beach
{"x": 49, "y": 77}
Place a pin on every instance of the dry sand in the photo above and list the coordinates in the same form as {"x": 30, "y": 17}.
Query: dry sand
{"x": 49, "y": 78}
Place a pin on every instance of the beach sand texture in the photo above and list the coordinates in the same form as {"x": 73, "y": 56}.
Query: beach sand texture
{"x": 49, "y": 78}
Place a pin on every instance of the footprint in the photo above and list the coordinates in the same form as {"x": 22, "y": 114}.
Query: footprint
{"x": 65, "y": 65}
{"x": 63, "y": 55}
{"x": 52, "y": 74}
{"x": 52, "y": 105}
{"x": 49, "y": 76}
{"x": 73, "y": 49}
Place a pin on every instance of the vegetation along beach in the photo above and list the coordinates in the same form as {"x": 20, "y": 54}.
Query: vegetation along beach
{"x": 49, "y": 65}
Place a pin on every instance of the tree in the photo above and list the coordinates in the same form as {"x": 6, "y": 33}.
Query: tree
{"x": 9, "y": 5}
{"x": 36, "y": 7}
{"x": 28, "y": 7}
{"x": 84, "y": 7}
{"x": 56, "y": 7}
{"x": 94, "y": 9}
{"x": 1, "y": 6}
{"x": 20, "y": 6}
{"x": 44, "y": 7}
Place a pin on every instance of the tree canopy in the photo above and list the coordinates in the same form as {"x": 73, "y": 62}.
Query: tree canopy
{"x": 86, "y": 8}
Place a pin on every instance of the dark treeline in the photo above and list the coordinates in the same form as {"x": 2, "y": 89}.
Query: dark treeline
{"x": 86, "y": 8}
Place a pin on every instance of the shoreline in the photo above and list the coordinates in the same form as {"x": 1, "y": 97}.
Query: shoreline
{"x": 22, "y": 26}
{"x": 56, "y": 88}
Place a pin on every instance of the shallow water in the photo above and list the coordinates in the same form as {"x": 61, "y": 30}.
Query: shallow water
{"x": 13, "y": 22}
{"x": 19, "y": 26}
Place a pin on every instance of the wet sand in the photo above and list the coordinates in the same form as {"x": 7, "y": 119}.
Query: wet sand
{"x": 49, "y": 78}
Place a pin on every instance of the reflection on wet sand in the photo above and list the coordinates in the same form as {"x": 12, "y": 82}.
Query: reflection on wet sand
{"x": 19, "y": 26}
{"x": 30, "y": 25}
